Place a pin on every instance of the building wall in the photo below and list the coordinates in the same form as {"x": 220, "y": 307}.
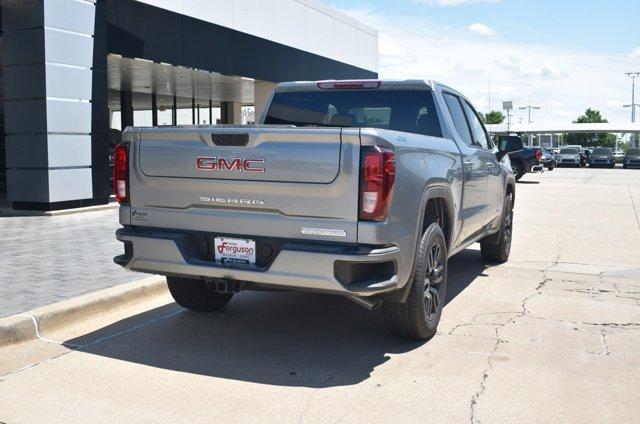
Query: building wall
{"x": 303, "y": 24}
{"x": 47, "y": 69}
{"x": 132, "y": 32}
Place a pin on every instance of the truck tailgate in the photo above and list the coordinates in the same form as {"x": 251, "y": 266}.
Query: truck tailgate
{"x": 254, "y": 180}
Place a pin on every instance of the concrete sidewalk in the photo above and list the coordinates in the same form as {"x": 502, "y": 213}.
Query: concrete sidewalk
{"x": 551, "y": 336}
{"x": 47, "y": 259}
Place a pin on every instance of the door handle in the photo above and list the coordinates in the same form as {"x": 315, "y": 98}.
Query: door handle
{"x": 490, "y": 166}
{"x": 468, "y": 166}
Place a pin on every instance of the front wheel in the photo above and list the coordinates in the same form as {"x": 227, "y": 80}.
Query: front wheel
{"x": 419, "y": 315}
{"x": 196, "y": 295}
{"x": 497, "y": 247}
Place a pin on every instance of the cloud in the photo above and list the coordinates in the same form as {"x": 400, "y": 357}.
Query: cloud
{"x": 481, "y": 29}
{"x": 563, "y": 81}
{"x": 453, "y": 2}
{"x": 542, "y": 69}
{"x": 635, "y": 54}
{"x": 392, "y": 53}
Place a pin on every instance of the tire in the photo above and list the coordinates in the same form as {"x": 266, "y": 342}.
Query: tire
{"x": 196, "y": 295}
{"x": 550, "y": 167}
{"x": 518, "y": 169}
{"x": 419, "y": 315}
{"x": 624, "y": 166}
{"x": 497, "y": 247}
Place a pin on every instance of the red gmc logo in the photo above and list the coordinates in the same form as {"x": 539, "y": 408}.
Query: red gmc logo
{"x": 224, "y": 164}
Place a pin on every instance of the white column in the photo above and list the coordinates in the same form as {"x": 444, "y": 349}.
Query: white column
{"x": 261, "y": 95}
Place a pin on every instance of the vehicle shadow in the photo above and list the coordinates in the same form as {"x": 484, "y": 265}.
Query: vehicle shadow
{"x": 528, "y": 182}
{"x": 284, "y": 339}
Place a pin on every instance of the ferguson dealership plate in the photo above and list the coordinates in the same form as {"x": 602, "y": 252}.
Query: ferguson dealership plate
{"x": 234, "y": 250}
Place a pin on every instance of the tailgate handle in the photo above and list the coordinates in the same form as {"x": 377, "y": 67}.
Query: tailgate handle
{"x": 230, "y": 139}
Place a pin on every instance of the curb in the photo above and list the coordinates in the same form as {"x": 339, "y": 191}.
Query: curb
{"x": 21, "y": 213}
{"x": 22, "y": 327}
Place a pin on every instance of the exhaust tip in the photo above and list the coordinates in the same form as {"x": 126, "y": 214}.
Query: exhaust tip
{"x": 369, "y": 303}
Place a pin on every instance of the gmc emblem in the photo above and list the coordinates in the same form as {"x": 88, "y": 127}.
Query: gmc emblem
{"x": 223, "y": 164}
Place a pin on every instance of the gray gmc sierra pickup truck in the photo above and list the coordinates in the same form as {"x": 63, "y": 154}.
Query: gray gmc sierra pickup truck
{"x": 357, "y": 188}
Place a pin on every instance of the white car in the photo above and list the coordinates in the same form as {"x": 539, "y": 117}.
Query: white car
{"x": 568, "y": 157}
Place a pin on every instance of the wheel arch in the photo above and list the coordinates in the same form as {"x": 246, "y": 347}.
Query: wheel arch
{"x": 437, "y": 205}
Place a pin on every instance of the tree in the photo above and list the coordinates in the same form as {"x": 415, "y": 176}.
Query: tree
{"x": 591, "y": 116}
{"x": 493, "y": 118}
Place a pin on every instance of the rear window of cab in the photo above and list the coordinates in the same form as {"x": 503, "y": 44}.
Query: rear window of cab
{"x": 411, "y": 111}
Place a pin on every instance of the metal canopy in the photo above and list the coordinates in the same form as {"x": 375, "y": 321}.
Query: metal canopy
{"x": 565, "y": 128}
{"x": 144, "y": 77}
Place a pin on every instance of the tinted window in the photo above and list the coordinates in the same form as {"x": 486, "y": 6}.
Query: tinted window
{"x": 602, "y": 152}
{"x": 477, "y": 129}
{"x": 633, "y": 152}
{"x": 455, "y": 109}
{"x": 400, "y": 110}
{"x": 569, "y": 151}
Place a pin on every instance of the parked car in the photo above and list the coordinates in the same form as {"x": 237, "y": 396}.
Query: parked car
{"x": 581, "y": 152}
{"x": 569, "y": 157}
{"x": 602, "y": 156}
{"x": 524, "y": 160}
{"x": 548, "y": 159}
{"x": 631, "y": 158}
{"x": 355, "y": 188}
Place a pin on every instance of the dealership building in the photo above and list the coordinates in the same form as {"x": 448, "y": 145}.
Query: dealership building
{"x": 75, "y": 73}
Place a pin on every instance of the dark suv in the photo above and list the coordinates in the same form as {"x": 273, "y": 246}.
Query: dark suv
{"x": 631, "y": 158}
{"x": 602, "y": 156}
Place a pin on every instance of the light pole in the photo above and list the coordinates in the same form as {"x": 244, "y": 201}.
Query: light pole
{"x": 508, "y": 107}
{"x": 530, "y": 108}
{"x": 633, "y": 76}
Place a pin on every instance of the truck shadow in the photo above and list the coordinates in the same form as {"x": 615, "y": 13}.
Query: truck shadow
{"x": 284, "y": 339}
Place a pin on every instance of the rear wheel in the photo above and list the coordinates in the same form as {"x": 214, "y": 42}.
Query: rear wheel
{"x": 518, "y": 169}
{"x": 497, "y": 247}
{"x": 419, "y": 315}
{"x": 196, "y": 295}
{"x": 624, "y": 166}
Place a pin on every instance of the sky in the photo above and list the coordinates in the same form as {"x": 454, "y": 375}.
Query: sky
{"x": 562, "y": 55}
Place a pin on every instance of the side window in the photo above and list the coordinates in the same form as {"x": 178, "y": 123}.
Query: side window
{"x": 457, "y": 114}
{"x": 479, "y": 134}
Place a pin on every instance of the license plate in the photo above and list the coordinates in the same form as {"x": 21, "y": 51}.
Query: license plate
{"x": 234, "y": 250}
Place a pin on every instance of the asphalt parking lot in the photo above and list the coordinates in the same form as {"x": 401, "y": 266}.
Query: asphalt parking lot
{"x": 551, "y": 336}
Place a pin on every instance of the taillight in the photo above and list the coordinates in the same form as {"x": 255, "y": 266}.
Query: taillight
{"x": 538, "y": 155}
{"x": 348, "y": 84}
{"x": 377, "y": 175}
{"x": 120, "y": 173}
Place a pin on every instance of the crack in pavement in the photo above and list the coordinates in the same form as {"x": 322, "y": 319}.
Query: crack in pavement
{"x": 475, "y": 399}
{"x": 633, "y": 203}
{"x": 483, "y": 384}
{"x": 607, "y": 349}
{"x": 525, "y": 312}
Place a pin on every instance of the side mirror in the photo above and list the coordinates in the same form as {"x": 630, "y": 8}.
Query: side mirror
{"x": 509, "y": 144}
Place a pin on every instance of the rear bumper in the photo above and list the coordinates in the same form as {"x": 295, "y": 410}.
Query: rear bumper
{"x": 335, "y": 269}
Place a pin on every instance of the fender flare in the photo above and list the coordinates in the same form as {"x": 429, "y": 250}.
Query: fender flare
{"x": 432, "y": 192}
